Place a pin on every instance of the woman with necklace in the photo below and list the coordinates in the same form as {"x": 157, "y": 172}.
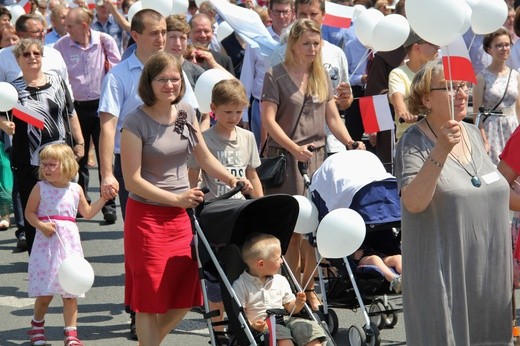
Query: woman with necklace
{"x": 497, "y": 89}
{"x": 161, "y": 274}
{"x": 297, "y": 102}
{"x": 456, "y": 244}
{"x": 46, "y": 95}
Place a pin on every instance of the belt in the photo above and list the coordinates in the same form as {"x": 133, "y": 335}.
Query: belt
{"x": 86, "y": 103}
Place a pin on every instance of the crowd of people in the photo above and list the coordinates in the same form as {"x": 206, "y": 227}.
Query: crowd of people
{"x": 121, "y": 93}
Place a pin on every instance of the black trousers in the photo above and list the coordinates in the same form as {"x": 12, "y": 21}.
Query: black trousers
{"x": 27, "y": 176}
{"x": 90, "y": 127}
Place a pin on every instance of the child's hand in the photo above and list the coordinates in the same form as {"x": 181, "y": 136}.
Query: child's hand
{"x": 259, "y": 325}
{"x": 301, "y": 298}
{"x": 48, "y": 228}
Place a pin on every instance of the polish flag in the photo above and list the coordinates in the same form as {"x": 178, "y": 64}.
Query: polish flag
{"x": 26, "y": 5}
{"x": 271, "y": 326}
{"x": 29, "y": 116}
{"x": 456, "y": 62}
{"x": 375, "y": 113}
{"x": 338, "y": 16}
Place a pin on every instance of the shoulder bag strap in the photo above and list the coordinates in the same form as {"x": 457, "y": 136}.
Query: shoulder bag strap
{"x": 505, "y": 90}
{"x": 293, "y": 130}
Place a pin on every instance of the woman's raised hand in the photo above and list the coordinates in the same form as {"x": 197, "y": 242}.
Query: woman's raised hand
{"x": 450, "y": 134}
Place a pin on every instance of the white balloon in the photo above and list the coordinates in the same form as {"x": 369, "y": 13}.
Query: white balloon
{"x": 76, "y": 275}
{"x": 164, "y": 7}
{"x": 467, "y": 18}
{"x": 436, "y": 21}
{"x": 16, "y": 12}
{"x": 340, "y": 233}
{"x": 358, "y": 9}
{"x": 224, "y": 30}
{"x": 136, "y": 7}
{"x": 8, "y": 97}
{"x": 180, "y": 6}
{"x": 390, "y": 33}
{"x": 205, "y": 85}
{"x": 488, "y": 16}
{"x": 365, "y": 25}
{"x": 307, "y": 221}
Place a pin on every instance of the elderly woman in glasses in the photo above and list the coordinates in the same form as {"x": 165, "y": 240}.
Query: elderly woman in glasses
{"x": 456, "y": 245}
{"x": 51, "y": 119}
{"x": 497, "y": 91}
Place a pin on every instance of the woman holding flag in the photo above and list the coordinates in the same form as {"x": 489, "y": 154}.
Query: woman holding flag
{"x": 456, "y": 244}
{"x": 44, "y": 115}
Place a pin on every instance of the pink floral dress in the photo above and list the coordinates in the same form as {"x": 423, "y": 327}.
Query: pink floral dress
{"x": 61, "y": 206}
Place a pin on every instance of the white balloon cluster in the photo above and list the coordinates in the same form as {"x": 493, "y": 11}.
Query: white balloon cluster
{"x": 339, "y": 234}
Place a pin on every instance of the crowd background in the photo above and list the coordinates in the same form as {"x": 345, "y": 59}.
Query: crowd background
{"x": 82, "y": 42}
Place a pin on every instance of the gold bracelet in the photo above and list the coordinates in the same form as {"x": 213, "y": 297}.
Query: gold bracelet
{"x": 435, "y": 162}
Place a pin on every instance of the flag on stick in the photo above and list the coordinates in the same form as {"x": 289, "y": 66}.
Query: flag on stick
{"x": 338, "y": 16}
{"x": 375, "y": 113}
{"x": 29, "y": 116}
{"x": 271, "y": 326}
{"x": 456, "y": 62}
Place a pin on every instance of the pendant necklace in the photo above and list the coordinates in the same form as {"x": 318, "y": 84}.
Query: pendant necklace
{"x": 475, "y": 180}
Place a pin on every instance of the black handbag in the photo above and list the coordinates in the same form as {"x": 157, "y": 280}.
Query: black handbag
{"x": 272, "y": 170}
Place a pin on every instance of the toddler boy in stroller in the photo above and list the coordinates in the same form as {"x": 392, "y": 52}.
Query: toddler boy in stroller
{"x": 260, "y": 289}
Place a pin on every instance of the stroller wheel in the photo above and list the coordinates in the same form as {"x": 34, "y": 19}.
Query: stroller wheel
{"x": 376, "y": 313}
{"x": 390, "y": 318}
{"x": 373, "y": 338}
{"x": 330, "y": 319}
{"x": 356, "y": 336}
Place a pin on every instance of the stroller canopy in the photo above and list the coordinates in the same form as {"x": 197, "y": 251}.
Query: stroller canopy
{"x": 232, "y": 220}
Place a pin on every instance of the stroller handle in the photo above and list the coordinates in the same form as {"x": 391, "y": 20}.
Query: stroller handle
{"x": 231, "y": 193}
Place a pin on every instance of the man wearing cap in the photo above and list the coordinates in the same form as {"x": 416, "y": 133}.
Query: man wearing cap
{"x": 400, "y": 79}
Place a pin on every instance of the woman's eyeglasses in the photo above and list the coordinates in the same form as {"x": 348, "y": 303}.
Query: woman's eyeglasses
{"x": 165, "y": 81}
{"x": 501, "y": 46}
{"x": 36, "y": 55}
{"x": 454, "y": 88}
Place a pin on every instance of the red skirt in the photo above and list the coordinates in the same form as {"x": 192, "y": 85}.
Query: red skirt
{"x": 160, "y": 271}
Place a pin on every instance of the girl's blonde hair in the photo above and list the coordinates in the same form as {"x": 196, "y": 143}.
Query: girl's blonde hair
{"x": 64, "y": 155}
{"x": 317, "y": 85}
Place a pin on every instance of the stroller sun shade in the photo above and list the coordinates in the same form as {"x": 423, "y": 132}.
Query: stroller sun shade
{"x": 232, "y": 220}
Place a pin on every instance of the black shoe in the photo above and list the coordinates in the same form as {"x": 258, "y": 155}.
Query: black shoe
{"x": 21, "y": 244}
{"x": 110, "y": 216}
{"x": 133, "y": 333}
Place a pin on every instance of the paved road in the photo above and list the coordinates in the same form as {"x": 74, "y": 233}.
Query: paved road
{"x": 102, "y": 319}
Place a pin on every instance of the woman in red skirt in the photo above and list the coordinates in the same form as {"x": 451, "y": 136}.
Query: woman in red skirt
{"x": 162, "y": 282}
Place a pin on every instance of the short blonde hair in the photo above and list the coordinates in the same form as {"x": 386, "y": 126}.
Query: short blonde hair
{"x": 26, "y": 43}
{"x": 259, "y": 246}
{"x": 64, "y": 155}
{"x": 422, "y": 84}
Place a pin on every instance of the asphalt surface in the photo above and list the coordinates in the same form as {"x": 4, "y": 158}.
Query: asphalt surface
{"x": 102, "y": 319}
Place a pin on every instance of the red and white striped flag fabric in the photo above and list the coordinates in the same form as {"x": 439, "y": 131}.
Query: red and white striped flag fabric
{"x": 337, "y": 16}
{"x": 456, "y": 62}
{"x": 375, "y": 113}
{"x": 271, "y": 326}
{"x": 29, "y": 116}
{"x": 26, "y": 4}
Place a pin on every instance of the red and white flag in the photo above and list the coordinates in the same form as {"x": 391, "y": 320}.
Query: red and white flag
{"x": 456, "y": 62}
{"x": 29, "y": 116}
{"x": 26, "y": 4}
{"x": 375, "y": 113}
{"x": 271, "y": 326}
{"x": 337, "y": 16}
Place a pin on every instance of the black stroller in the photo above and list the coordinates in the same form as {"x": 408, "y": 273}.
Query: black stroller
{"x": 359, "y": 181}
{"x": 221, "y": 227}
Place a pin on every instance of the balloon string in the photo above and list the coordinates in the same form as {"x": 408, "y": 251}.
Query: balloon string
{"x": 7, "y": 115}
{"x": 471, "y": 43}
{"x": 56, "y": 232}
{"x": 362, "y": 60}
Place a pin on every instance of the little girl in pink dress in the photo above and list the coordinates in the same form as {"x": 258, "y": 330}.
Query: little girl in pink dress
{"x": 51, "y": 209}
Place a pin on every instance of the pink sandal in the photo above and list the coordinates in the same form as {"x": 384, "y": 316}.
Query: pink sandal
{"x": 71, "y": 338}
{"x": 37, "y": 333}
